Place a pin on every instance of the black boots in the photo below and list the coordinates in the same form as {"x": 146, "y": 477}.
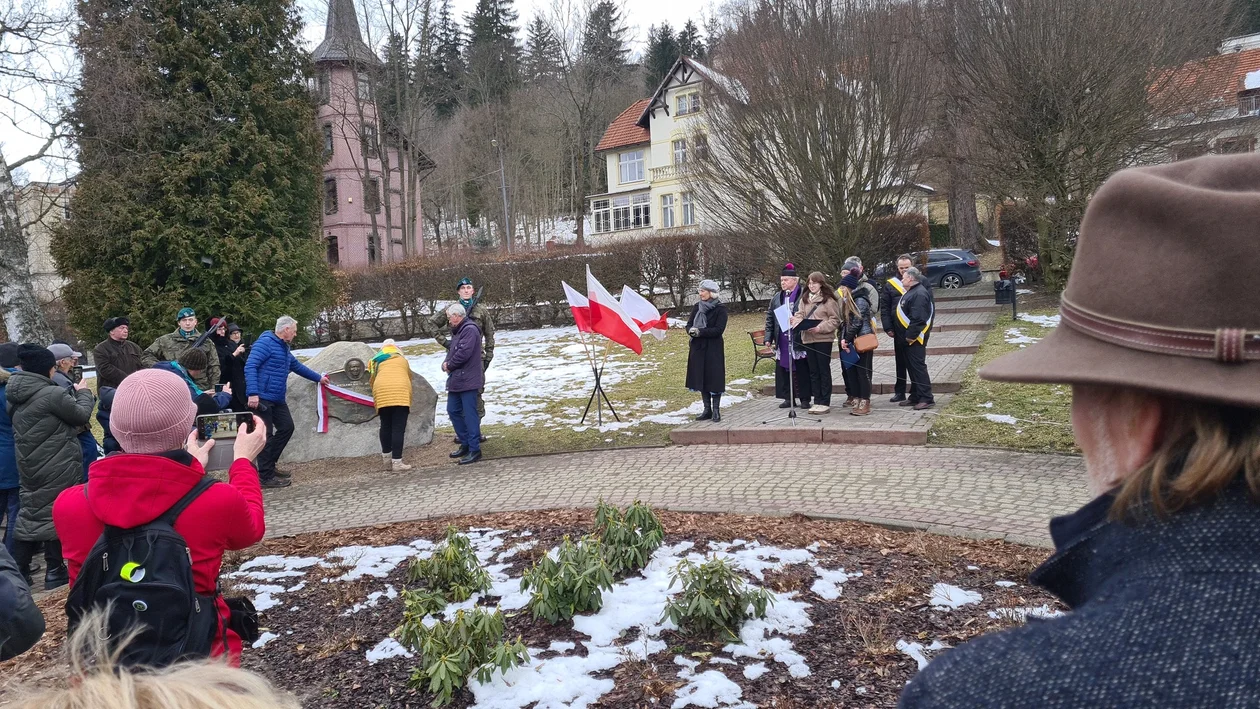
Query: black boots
{"x": 712, "y": 408}
{"x": 460, "y": 452}
{"x": 708, "y": 408}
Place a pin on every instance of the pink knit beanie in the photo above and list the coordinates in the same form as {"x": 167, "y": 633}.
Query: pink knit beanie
{"x": 152, "y": 412}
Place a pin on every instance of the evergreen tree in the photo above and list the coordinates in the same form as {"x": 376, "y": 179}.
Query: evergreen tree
{"x": 444, "y": 70}
{"x": 395, "y": 80}
{"x": 199, "y": 167}
{"x": 1249, "y": 11}
{"x": 542, "y": 52}
{"x": 492, "y": 54}
{"x": 604, "y": 39}
{"x": 662, "y": 53}
{"x": 689, "y": 42}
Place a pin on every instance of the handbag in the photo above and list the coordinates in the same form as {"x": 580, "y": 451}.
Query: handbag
{"x": 866, "y": 343}
{"x": 243, "y": 619}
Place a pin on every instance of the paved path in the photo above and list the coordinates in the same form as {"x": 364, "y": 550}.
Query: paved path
{"x": 974, "y": 492}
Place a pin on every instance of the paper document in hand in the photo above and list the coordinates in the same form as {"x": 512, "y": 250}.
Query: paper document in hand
{"x": 644, "y": 314}
{"x": 783, "y": 314}
{"x": 609, "y": 319}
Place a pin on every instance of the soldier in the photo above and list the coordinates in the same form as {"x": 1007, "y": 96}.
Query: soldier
{"x": 170, "y": 346}
{"x": 479, "y": 314}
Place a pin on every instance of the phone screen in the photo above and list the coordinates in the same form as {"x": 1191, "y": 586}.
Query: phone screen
{"x": 217, "y": 425}
{"x": 76, "y": 374}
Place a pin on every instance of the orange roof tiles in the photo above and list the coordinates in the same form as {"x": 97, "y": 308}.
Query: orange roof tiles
{"x": 625, "y": 130}
{"x": 1218, "y": 77}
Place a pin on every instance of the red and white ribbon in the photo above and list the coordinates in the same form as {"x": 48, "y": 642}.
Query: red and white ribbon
{"x": 321, "y": 403}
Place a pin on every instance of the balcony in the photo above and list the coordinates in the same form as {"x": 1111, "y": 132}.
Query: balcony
{"x": 669, "y": 172}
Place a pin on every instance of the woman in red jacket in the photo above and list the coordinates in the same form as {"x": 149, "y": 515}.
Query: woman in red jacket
{"x": 160, "y": 462}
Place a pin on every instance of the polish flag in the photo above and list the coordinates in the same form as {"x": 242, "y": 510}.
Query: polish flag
{"x": 644, "y": 314}
{"x": 580, "y": 306}
{"x": 608, "y": 318}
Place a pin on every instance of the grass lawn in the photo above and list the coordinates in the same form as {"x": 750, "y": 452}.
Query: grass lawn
{"x": 1041, "y": 412}
{"x": 649, "y": 394}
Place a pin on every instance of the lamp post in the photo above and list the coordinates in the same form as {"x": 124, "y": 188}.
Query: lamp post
{"x": 507, "y": 228}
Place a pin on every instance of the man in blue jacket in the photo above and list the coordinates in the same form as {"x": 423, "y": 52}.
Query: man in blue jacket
{"x": 464, "y": 377}
{"x": 266, "y": 378}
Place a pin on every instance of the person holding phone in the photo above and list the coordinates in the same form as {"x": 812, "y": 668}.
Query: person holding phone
{"x": 162, "y": 461}
{"x": 67, "y": 374}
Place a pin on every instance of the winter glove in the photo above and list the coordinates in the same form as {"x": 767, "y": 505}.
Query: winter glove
{"x": 694, "y": 332}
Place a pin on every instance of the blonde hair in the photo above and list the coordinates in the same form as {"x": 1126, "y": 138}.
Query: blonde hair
{"x": 97, "y": 681}
{"x": 1206, "y": 447}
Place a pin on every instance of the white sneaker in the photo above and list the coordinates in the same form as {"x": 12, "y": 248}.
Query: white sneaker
{"x": 819, "y": 409}
{"x": 397, "y": 465}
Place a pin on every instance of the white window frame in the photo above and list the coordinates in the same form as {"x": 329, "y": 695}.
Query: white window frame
{"x": 667, "y": 211}
{"x": 363, "y": 86}
{"x": 687, "y": 104}
{"x": 630, "y": 167}
{"x": 601, "y": 215}
{"x": 688, "y": 209}
{"x": 680, "y": 151}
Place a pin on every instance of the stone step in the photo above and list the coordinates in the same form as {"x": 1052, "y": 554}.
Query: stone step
{"x": 760, "y": 420}
{"x": 940, "y": 343}
{"x": 968, "y": 306}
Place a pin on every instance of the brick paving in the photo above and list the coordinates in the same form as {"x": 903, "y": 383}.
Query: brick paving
{"x": 949, "y": 342}
{"x": 971, "y": 492}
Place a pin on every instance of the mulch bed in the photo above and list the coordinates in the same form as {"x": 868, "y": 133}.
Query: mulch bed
{"x": 320, "y": 652}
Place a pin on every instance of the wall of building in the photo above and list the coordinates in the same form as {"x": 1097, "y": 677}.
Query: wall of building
{"x": 41, "y": 207}
{"x": 351, "y": 225}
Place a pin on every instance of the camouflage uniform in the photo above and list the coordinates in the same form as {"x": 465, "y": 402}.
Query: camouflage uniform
{"x": 170, "y": 346}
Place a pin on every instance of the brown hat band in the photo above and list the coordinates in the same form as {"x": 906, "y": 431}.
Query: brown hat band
{"x": 1223, "y": 344}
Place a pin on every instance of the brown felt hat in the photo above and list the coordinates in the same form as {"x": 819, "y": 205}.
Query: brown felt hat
{"x": 1162, "y": 294}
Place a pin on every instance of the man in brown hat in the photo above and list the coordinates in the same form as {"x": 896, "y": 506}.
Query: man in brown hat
{"x": 1161, "y": 570}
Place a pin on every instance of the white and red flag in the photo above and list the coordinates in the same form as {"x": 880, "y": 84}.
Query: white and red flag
{"x": 609, "y": 319}
{"x": 644, "y": 314}
{"x": 321, "y": 402}
{"x": 580, "y": 306}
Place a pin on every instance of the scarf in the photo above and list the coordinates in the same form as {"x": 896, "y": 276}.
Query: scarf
{"x": 468, "y": 305}
{"x": 703, "y": 309}
{"x": 386, "y": 352}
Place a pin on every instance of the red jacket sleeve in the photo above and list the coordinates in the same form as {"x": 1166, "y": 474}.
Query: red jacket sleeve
{"x": 245, "y": 522}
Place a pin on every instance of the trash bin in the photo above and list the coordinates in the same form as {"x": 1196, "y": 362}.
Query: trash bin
{"x": 1003, "y": 292}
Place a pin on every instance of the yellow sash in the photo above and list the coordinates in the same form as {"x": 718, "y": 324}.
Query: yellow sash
{"x": 896, "y": 284}
{"x": 905, "y": 322}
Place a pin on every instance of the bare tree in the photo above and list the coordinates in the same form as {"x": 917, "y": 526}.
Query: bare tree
{"x": 27, "y": 35}
{"x": 1061, "y": 93}
{"x": 813, "y": 125}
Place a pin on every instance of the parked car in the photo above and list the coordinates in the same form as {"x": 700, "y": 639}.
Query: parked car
{"x": 946, "y": 268}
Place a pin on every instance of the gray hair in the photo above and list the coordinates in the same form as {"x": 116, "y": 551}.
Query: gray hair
{"x": 853, "y": 260}
{"x": 284, "y": 322}
{"x": 913, "y": 273}
{"x": 457, "y": 310}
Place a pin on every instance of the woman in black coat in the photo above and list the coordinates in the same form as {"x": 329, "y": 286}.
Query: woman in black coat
{"x": 233, "y": 367}
{"x": 706, "y": 361}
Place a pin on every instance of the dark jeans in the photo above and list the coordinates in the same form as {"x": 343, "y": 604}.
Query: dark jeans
{"x": 462, "y": 408}
{"x": 393, "y": 429}
{"x": 24, "y": 551}
{"x": 9, "y": 510}
{"x": 916, "y": 363}
{"x": 857, "y": 378}
{"x": 87, "y": 444}
{"x": 818, "y": 362}
{"x": 279, "y": 430}
{"x": 800, "y": 378}
{"x": 899, "y": 353}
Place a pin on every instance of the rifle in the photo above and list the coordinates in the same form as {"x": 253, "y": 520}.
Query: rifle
{"x": 476, "y": 297}
{"x": 214, "y": 324}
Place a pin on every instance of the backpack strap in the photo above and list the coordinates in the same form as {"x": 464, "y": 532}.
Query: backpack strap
{"x": 178, "y": 508}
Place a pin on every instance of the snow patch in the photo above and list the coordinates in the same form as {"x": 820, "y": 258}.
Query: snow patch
{"x": 917, "y": 652}
{"x": 1016, "y": 336}
{"x": 1042, "y": 320}
{"x": 951, "y": 597}
{"x": 1004, "y": 584}
{"x": 1023, "y": 613}
{"x": 386, "y": 649}
{"x": 827, "y": 587}
{"x": 368, "y": 561}
{"x": 707, "y": 689}
{"x": 1002, "y": 418}
{"x": 263, "y": 640}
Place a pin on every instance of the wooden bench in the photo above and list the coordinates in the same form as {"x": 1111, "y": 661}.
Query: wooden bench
{"x": 760, "y": 351}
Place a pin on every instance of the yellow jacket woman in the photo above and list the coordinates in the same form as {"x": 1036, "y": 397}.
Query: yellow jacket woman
{"x": 391, "y": 390}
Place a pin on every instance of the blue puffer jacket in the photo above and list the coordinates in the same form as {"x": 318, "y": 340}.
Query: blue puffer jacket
{"x": 8, "y": 456}
{"x": 268, "y": 367}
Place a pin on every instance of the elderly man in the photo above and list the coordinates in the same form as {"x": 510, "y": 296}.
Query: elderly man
{"x": 170, "y": 346}
{"x": 893, "y": 290}
{"x": 67, "y": 360}
{"x": 785, "y": 357}
{"x": 1160, "y": 569}
{"x": 914, "y": 313}
{"x": 464, "y": 377}
{"x": 266, "y": 383}
{"x": 478, "y": 313}
{"x": 116, "y": 356}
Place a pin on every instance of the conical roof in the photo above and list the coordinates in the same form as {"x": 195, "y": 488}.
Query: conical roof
{"x": 343, "y": 42}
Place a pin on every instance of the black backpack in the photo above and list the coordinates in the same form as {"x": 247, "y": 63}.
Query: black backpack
{"x": 143, "y": 577}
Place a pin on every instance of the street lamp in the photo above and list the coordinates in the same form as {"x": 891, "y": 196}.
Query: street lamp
{"x": 507, "y": 229}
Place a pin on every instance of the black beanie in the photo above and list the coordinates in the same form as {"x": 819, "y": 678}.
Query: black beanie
{"x": 194, "y": 360}
{"x": 789, "y": 270}
{"x": 9, "y": 355}
{"x": 36, "y": 359}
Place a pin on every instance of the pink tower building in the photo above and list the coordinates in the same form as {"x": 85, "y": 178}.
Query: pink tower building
{"x": 371, "y": 187}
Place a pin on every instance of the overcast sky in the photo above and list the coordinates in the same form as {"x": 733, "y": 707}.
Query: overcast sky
{"x": 27, "y": 136}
